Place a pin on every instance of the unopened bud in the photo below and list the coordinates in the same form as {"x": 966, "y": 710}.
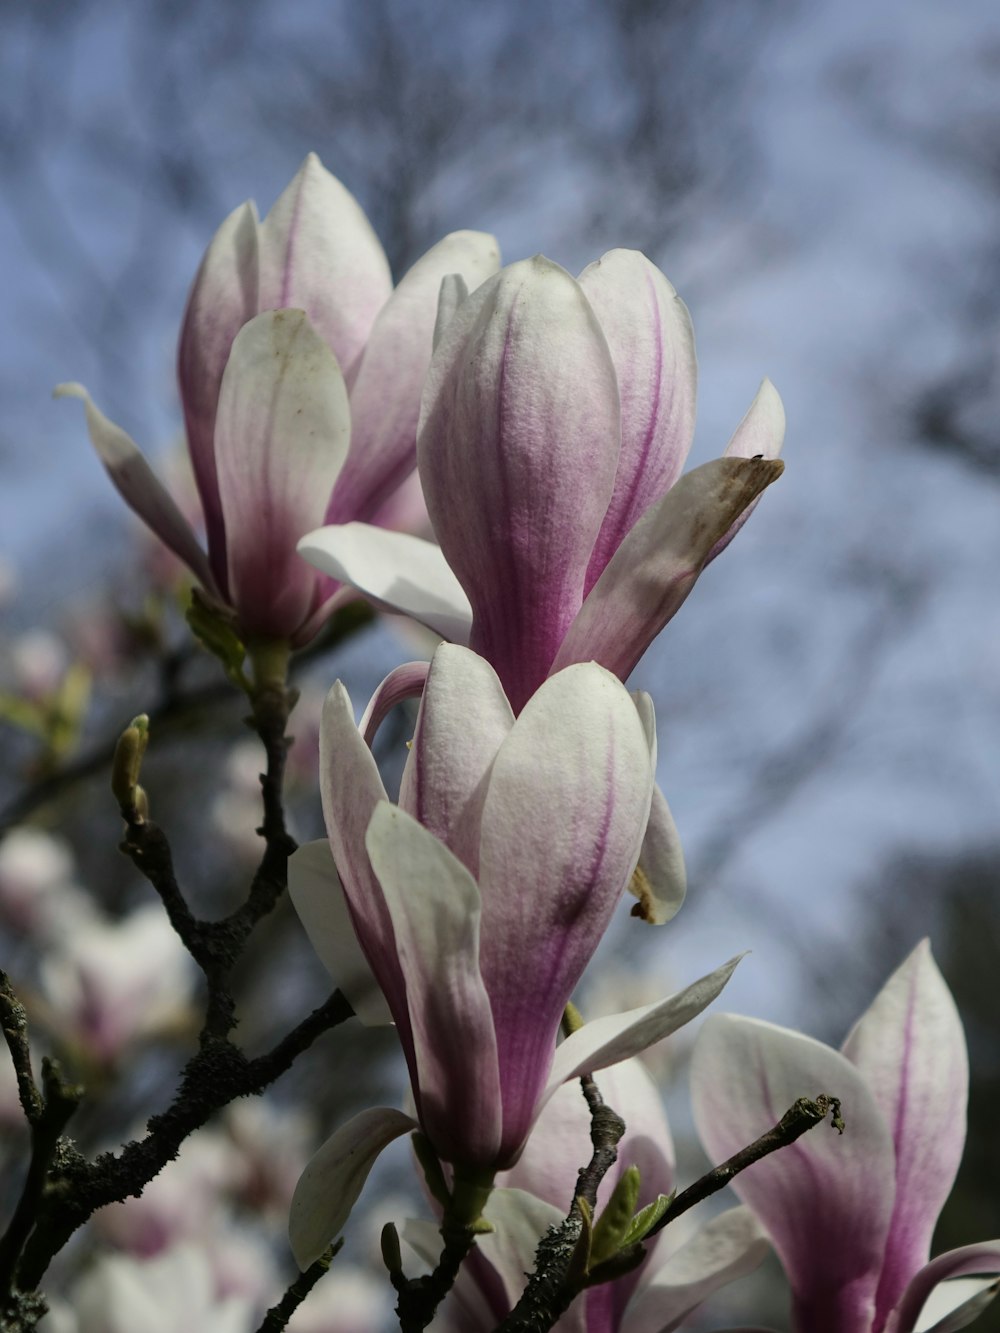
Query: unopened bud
{"x": 391, "y": 1256}
{"x": 127, "y": 765}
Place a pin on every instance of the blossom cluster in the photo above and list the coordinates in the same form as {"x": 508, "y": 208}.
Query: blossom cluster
{"x": 498, "y": 453}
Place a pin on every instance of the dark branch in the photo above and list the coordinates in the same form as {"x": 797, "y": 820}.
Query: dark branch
{"x": 419, "y": 1297}
{"x": 551, "y": 1290}
{"x": 606, "y": 1130}
{"x": 59, "y": 1100}
{"x": 278, "y": 1316}
{"x": 218, "y": 1074}
{"x": 15, "y": 1031}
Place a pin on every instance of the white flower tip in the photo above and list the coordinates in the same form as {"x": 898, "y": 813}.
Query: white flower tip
{"x": 71, "y": 389}
{"x": 769, "y": 394}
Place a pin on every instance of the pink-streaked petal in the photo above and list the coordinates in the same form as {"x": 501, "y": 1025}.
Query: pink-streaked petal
{"x": 403, "y": 682}
{"x": 826, "y": 1199}
{"x": 385, "y": 396}
{"x": 518, "y": 446}
{"x": 139, "y": 487}
{"x": 970, "y": 1260}
{"x": 334, "y": 1177}
{"x": 435, "y": 909}
{"x": 562, "y": 825}
{"x": 761, "y": 433}
{"x": 318, "y": 897}
{"x": 405, "y": 510}
{"x": 464, "y": 719}
{"x": 351, "y": 788}
{"x": 649, "y": 332}
{"x": 318, "y": 252}
{"x": 312, "y": 625}
{"x": 280, "y": 438}
{"x": 910, "y": 1047}
{"x": 727, "y": 1248}
{"x": 658, "y": 563}
{"x": 396, "y": 572}
{"x": 616, "y": 1037}
{"x": 560, "y": 1144}
{"x": 223, "y": 298}
{"x": 660, "y": 879}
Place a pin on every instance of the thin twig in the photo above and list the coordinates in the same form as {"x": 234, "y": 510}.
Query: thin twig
{"x": 803, "y": 1116}
{"x": 606, "y": 1130}
{"x": 278, "y": 1316}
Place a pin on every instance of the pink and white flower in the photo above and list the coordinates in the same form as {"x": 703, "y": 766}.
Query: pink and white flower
{"x": 300, "y": 373}
{"x": 477, "y": 902}
{"x": 555, "y": 423}
{"x": 852, "y": 1217}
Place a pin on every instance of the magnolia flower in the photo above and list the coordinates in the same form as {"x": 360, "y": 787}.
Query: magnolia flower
{"x": 112, "y": 983}
{"x": 852, "y": 1217}
{"x": 555, "y": 422}
{"x": 477, "y": 904}
{"x": 300, "y": 372}
{"x": 173, "y": 1293}
{"x": 38, "y": 890}
{"x": 536, "y": 1193}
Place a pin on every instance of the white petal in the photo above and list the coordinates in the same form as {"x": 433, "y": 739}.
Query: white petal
{"x": 762, "y": 430}
{"x": 453, "y": 292}
{"x": 318, "y": 897}
{"x": 464, "y": 719}
{"x": 761, "y": 433}
{"x": 519, "y": 1221}
{"x": 281, "y": 435}
{"x": 606, "y": 1041}
{"x": 434, "y": 904}
{"x": 727, "y": 1248}
{"x": 395, "y": 571}
{"x": 955, "y": 1304}
{"x": 334, "y": 1177}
